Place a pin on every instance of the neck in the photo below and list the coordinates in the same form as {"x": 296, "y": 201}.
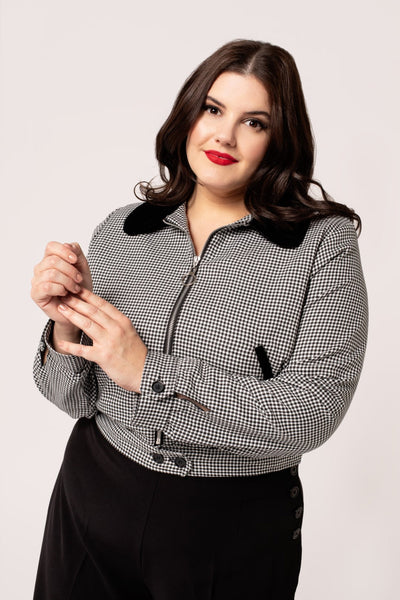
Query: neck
{"x": 210, "y": 207}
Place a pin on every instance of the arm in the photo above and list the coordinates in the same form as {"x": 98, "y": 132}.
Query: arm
{"x": 293, "y": 412}
{"x": 67, "y": 381}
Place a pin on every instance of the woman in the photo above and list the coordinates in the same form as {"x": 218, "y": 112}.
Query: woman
{"x": 224, "y": 338}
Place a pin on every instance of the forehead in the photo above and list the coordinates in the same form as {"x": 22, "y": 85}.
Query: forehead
{"x": 242, "y": 91}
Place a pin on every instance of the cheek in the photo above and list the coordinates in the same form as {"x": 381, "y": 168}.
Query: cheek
{"x": 199, "y": 133}
{"x": 191, "y": 141}
{"x": 196, "y": 139}
{"x": 256, "y": 151}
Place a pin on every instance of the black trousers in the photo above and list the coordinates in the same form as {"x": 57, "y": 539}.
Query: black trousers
{"x": 117, "y": 531}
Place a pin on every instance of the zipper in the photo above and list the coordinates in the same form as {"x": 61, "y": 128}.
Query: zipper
{"x": 188, "y": 280}
{"x": 159, "y": 437}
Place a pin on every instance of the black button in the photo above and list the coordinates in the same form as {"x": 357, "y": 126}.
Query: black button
{"x": 180, "y": 462}
{"x": 294, "y": 491}
{"x": 158, "y": 458}
{"x": 296, "y": 534}
{"x": 293, "y": 470}
{"x": 158, "y": 386}
{"x": 298, "y": 512}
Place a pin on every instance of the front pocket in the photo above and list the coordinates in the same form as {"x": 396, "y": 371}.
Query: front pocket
{"x": 203, "y": 407}
{"x": 264, "y": 362}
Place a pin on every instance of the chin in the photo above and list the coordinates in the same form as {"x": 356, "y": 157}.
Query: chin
{"x": 218, "y": 187}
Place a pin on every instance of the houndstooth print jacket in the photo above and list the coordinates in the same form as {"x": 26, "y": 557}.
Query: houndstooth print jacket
{"x": 254, "y": 349}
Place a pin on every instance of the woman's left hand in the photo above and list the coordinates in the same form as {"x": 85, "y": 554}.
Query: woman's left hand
{"x": 117, "y": 347}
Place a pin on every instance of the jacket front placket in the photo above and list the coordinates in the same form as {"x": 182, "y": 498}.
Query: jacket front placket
{"x": 178, "y": 219}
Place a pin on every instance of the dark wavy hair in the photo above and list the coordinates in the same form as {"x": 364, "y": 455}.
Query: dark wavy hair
{"x": 279, "y": 190}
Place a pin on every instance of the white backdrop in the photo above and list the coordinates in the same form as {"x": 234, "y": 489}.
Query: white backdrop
{"x": 85, "y": 86}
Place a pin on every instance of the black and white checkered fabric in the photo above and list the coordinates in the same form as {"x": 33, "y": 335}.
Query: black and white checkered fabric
{"x": 265, "y": 350}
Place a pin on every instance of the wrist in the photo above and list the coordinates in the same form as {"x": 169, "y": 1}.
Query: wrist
{"x": 66, "y": 333}
{"x": 140, "y": 371}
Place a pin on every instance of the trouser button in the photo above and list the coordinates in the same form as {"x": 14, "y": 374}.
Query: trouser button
{"x": 298, "y": 512}
{"x": 296, "y": 534}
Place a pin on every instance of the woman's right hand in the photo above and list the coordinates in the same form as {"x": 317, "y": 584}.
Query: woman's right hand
{"x": 63, "y": 270}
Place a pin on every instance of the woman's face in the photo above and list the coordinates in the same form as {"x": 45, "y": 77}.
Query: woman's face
{"x": 230, "y": 137}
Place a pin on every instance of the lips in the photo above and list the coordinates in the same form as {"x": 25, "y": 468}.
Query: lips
{"x": 220, "y": 158}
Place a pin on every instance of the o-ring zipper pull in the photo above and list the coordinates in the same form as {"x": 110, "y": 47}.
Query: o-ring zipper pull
{"x": 192, "y": 279}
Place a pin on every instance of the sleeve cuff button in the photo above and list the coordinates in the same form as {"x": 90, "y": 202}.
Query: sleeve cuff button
{"x": 158, "y": 386}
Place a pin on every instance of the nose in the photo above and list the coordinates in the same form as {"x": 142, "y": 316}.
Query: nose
{"x": 225, "y": 133}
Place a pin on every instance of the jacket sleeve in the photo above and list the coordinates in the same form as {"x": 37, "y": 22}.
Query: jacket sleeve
{"x": 293, "y": 412}
{"x": 67, "y": 381}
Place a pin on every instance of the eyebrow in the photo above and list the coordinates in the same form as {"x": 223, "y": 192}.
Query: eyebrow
{"x": 250, "y": 112}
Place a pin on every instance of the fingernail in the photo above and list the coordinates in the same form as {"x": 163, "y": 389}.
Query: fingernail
{"x": 62, "y": 307}
{"x": 78, "y": 277}
{"x": 77, "y": 288}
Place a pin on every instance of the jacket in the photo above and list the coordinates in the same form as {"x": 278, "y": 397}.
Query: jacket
{"x": 254, "y": 350}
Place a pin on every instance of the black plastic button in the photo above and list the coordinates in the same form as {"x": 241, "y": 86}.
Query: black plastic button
{"x": 296, "y": 534}
{"x": 158, "y": 386}
{"x": 180, "y": 462}
{"x": 293, "y": 471}
{"x": 294, "y": 491}
{"x": 298, "y": 512}
{"x": 158, "y": 458}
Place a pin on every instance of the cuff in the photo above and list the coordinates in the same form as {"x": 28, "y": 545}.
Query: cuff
{"x": 157, "y": 389}
{"x": 159, "y": 375}
{"x": 165, "y": 377}
{"x": 68, "y": 362}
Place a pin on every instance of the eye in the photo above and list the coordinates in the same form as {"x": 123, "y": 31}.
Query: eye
{"x": 211, "y": 109}
{"x": 256, "y": 124}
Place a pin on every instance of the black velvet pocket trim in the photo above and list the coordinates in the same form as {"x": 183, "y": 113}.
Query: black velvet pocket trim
{"x": 264, "y": 362}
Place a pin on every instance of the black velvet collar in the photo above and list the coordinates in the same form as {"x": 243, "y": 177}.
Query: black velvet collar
{"x": 147, "y": 218}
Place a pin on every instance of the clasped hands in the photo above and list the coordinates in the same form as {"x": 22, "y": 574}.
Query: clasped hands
{"x": 61, "y": 287}
{"x": 117, "y": 347}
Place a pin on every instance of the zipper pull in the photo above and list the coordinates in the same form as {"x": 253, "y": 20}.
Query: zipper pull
{"x": 159, "y": 437}
{"x": 192, "y": 273}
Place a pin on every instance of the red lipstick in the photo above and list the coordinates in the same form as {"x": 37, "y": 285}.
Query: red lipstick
{"x": 220, "y": 158}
